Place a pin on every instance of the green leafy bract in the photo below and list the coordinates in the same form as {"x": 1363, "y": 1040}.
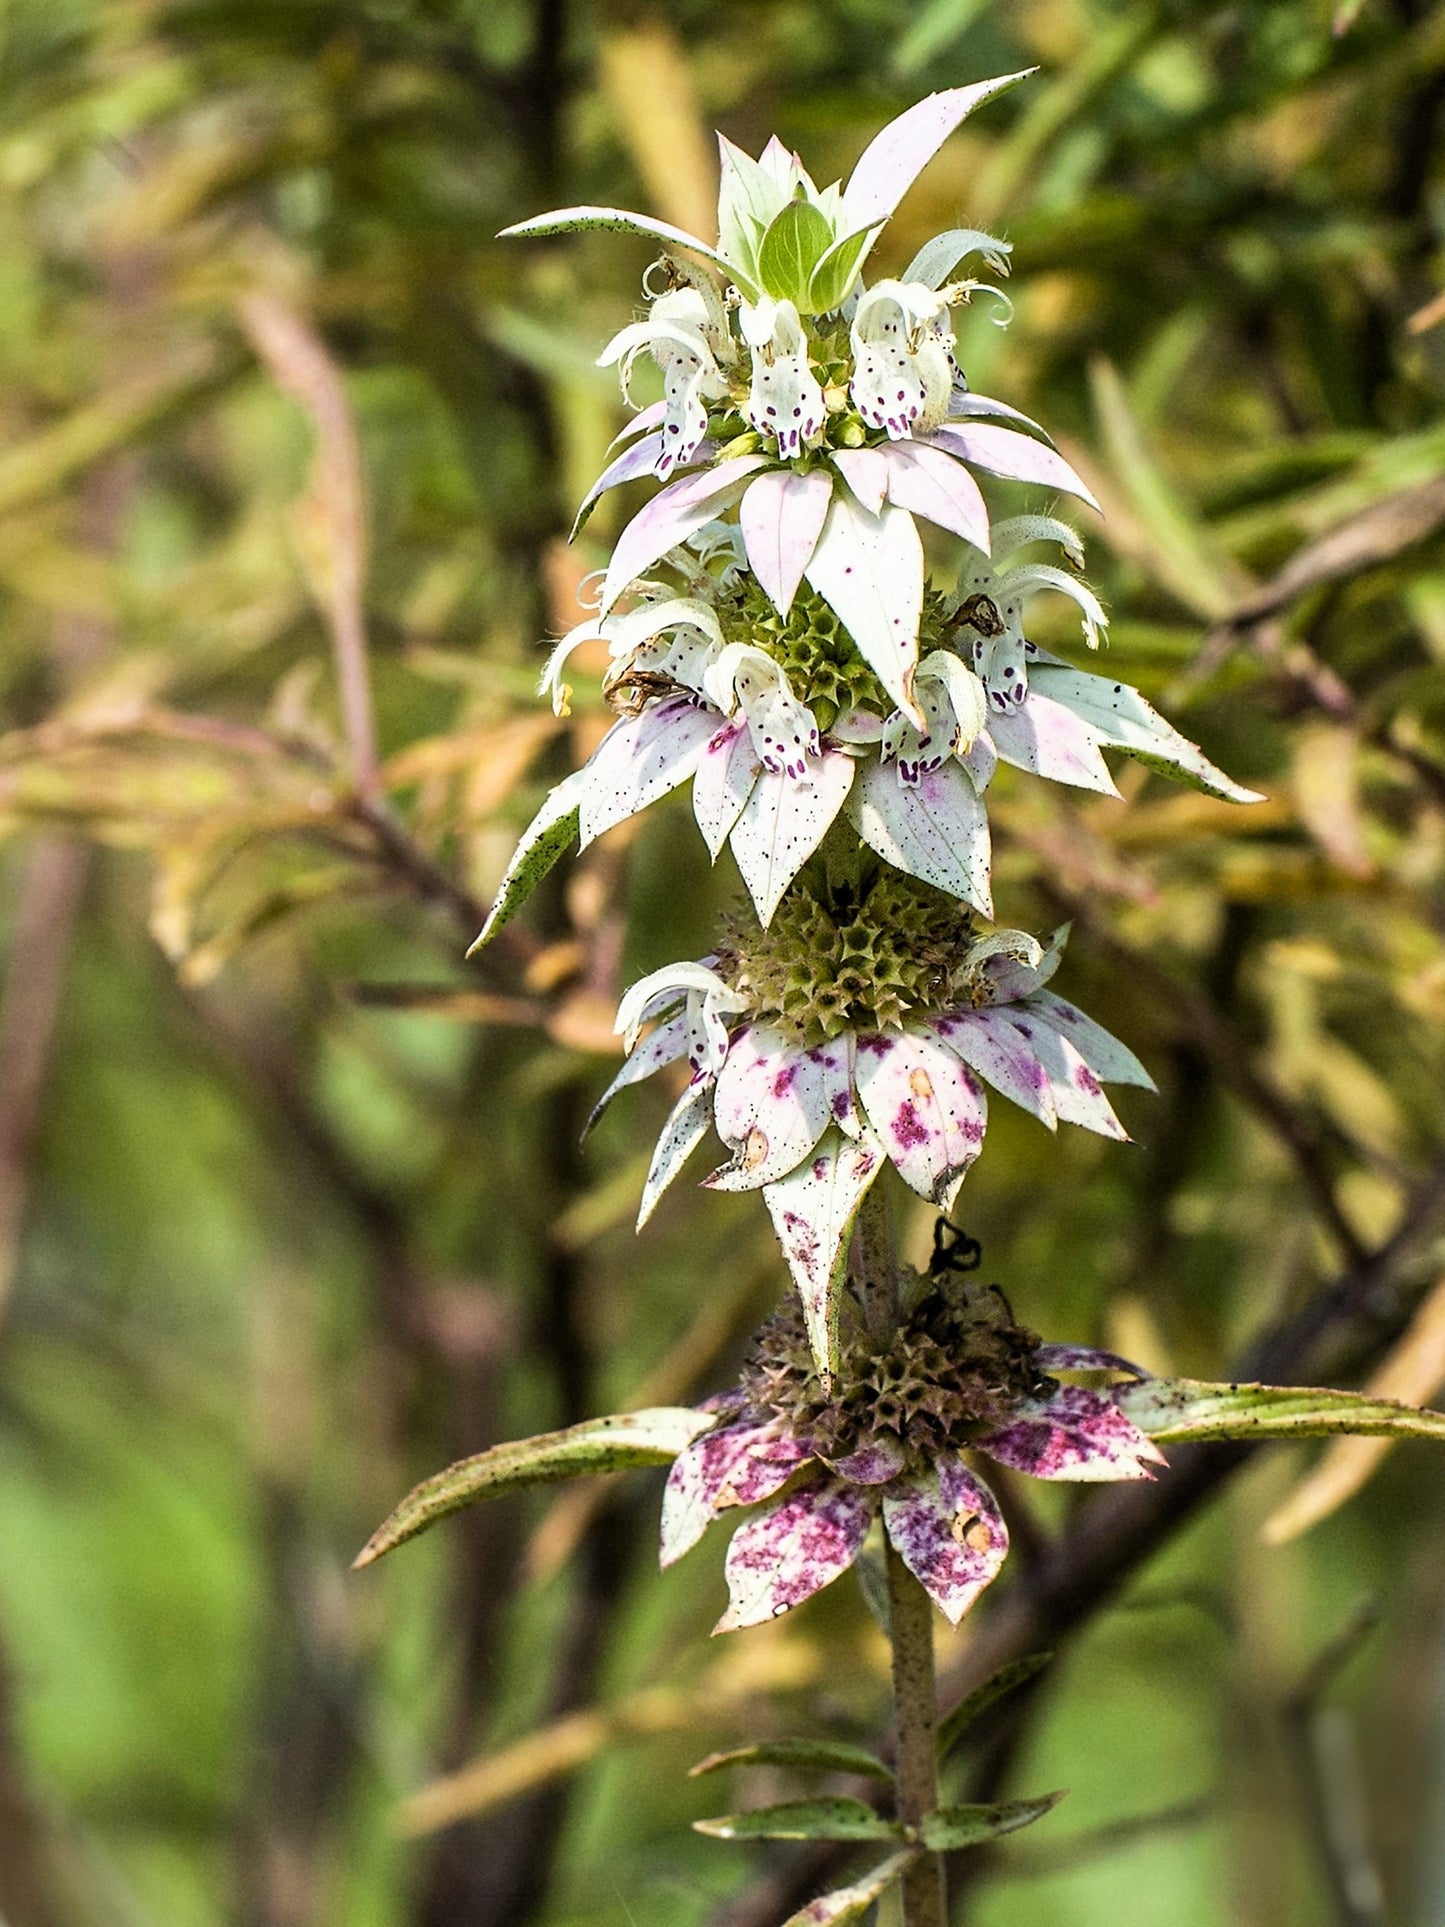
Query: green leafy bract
{"x": 952, "y": 1728}
{"x": 832, "y": 1819}
{"x": 653, "y": 1437}
{"x": 795, "y": 243}
{"x": 819, "y": 1756}
{"x": 951, "y": 1827}
{"x": 1176, "y": 1410}
{"x": 552, "y": 831}
{"x": 853, "y": 1901}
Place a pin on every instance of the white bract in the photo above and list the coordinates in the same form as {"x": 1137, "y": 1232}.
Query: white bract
{"x": 810, "y": 1124}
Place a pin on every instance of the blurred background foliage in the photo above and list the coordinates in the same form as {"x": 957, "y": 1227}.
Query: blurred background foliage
{"x": 291, "y": 1209}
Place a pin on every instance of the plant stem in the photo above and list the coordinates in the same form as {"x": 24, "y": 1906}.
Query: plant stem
{"x": 875, "y": 1268}
{"x": 910, "y": 1616}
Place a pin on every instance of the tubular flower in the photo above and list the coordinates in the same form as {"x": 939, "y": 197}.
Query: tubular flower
{"x": 870, "y": 1022}
{"x": 901, "y": 1439}
{"x": 785, "y": 400}
{"x": 903, "y": 366}
{"x": 686, "y": 333}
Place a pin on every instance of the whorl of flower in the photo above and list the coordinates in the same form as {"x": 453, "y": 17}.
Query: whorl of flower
{"x": 898, "y": 1438}
{"x": 833, "y": 414}
{"x": 870, "y": 1022}
{"x": 780, "y": 726}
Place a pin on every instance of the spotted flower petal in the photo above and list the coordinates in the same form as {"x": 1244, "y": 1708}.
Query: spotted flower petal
{"x": 793, "y": 1548}
{"x": 1040, "y": 735}
{"x": 869, "y": 570}
{"x": 642, "y": 759}
{"x": 903, "y": 369}
{"x": 785, "y": 400}
{"x": 733, "y": 1465}
{"x": 784, "y": 731}
{"x": 1076, "y": 1434}
{"x": 782, "y": 516}
{"x": 927, "y": 1110}
{"x": 813, "y": 1210}
{"x": 949, "y": 1532}
{"x": 683, "y": 337}
{"x": 773, "y": 1102}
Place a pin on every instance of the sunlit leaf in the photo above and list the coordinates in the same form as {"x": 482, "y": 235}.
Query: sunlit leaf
{"x": 834, "y": 1819}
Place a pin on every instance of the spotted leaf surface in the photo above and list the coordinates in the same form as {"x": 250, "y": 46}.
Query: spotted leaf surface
{"x": 1017, "y": 458}
{"x": 726, "y": 772}
{"x": 828, "y": 1819}
{"x": 684, "y": 1130}
{"x": 894, "y": 158}
{"x": 787, "y": 1552}
{"x": 928, "y": 482}
{"x": 597, "y": 1445}
{"x": 991, "y": 1046}
{"x": 1180, "y": 1409}
{"x": 661, "y": 1047}
{"x": 634, "y": 462}
{"x": 846, "y": 1905}
{"x": 1100, "y": 1050}
{"x": 1077, "y": 1435}
{"x": 1077, "y": 1093}
{"x": 1051, "y": 741}
{"x": 1123, "y": 720}
{"x": 925, "y": 1106}
{"x": 949, "y": 1532}
{"x": 672, "y": 515}
{"x": 552, "y": 831}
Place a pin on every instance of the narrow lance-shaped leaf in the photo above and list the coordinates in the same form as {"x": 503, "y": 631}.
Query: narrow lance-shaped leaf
{"x": 951, "y": 1827}
{"x": 652, "y": 1437}
{"x": 835, "y": 1819}
{"x": 618, "y": 220}
{"x": 974, "y": 1705}
{"x": 815, "y": 1756}
{"x": 1173, "y": 1410}
{"x": 850, "y": 1903}
{"x": 552, "y": 830}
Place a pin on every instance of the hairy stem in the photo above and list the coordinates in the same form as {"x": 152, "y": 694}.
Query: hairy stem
{"x": 910, "y": 1618}
{"x": 875, "y": 1268}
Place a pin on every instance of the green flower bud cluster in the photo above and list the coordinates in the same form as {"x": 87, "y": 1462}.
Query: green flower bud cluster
{"x": 850, "y": 956}
{"x": 956, "y": 1368}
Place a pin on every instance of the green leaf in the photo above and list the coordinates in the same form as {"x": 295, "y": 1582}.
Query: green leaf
{"x": 976, "y": 1703}
{"x": 613, "y": 1444}
{"x": 803, "y": 1820}
{"x": 552, "y": 831}
{"x": 820, "y": 1756}
{"x": 792, "y": 248}
{"x": 852, "y": 1902}
{"x": 617, "y": 220}
{"x": 833, "y": 276}
{"x": 1173, "y": 1410}
{"x": 951, "y": 1827}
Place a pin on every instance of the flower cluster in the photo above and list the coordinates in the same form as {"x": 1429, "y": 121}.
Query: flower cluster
{"x": 897, "y": 1438}
{"x": 773, "y": 639}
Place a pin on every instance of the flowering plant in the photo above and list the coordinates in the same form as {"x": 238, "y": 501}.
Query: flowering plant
{"x": 775, "y": 638}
